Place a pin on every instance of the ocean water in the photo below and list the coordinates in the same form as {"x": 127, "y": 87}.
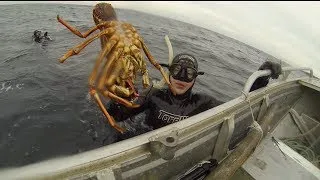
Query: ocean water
{"x": 45, "y": 109}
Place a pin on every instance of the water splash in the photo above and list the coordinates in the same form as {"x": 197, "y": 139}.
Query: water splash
{"x": 7, "y": 86}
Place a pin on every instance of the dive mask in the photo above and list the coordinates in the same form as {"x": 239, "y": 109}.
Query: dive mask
{"x": 183, "y": 72}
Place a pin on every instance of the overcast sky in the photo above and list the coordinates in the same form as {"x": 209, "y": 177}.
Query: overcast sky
{"x": 287, "y": 30}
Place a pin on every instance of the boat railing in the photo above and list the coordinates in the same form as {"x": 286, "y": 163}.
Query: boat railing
{"x": 285, "y": 72}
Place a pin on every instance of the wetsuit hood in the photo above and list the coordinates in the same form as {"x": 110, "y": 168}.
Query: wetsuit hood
{"x": 182, "y": 58}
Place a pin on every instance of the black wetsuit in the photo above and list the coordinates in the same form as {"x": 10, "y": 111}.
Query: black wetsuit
{"x": 163, "y": 108}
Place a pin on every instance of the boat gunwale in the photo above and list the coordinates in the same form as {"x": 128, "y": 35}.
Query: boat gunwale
{"x": 116, "y": 150}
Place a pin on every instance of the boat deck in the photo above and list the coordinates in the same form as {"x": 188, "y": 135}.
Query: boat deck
{"x": 268, "y": 162}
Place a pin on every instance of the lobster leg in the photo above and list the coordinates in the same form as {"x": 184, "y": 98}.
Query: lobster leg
{"x": 145, "y": 76}
{"x": 120, "y": 100}
{"x": 136, "y": 53}
{"x": 79, "y": 47}
{"x": 157, "y": 65}
{"x": 112, "y": 80}
{"x": 108, "y": 79}
{"x": 84, "y": 35}
{"x": 107, "y": 48}
{"x": 107, "y": 67}
{"x": 105, "y": 112}
{"x": 106, "y": 93}
{"x": 118, "y": 73}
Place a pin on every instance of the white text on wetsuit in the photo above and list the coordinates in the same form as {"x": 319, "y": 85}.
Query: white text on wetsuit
{"x": 169, "y": 117}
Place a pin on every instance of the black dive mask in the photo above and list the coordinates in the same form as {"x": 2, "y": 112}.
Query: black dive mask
{"x": 183, "y": 72}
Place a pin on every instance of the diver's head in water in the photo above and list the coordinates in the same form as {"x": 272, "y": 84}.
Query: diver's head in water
{"x": 183, "y": 72}
{"x": 37, "y": 34}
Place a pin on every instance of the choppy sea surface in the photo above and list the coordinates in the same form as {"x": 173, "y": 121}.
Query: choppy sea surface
{"x": 45, "y": 109}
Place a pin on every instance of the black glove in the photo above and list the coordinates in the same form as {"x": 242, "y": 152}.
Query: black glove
{"x": 274, "y": 67}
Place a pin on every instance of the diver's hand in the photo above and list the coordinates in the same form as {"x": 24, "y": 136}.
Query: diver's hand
{"x": 144, "y": 95}
{"x": 275, "y": 68}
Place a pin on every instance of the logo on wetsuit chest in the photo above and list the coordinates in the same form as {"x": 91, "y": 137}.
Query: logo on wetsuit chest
{"x": 169, "y": 117}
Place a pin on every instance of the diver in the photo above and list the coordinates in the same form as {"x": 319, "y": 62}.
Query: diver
{"x": 37, "y": 36}
{"x": 164, "y": 108}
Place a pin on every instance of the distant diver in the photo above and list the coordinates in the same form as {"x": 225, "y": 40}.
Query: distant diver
{"x": 37, "y": 37}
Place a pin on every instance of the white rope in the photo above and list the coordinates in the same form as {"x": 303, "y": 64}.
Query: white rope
{"x": 193, "y": 168}
{"x": 248, "y": 100}
{"x": 255, "y": 124}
